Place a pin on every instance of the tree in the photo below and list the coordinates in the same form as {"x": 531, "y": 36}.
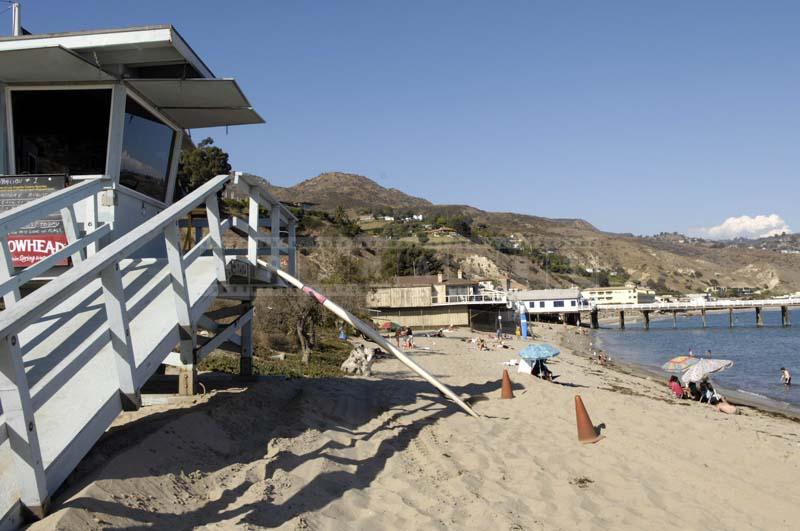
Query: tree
{"x": 409, "y": 259}
{"x": 200, "y": 164}
{"x": 344, "y": 223}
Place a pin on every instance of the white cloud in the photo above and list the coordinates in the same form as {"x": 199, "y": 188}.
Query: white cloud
{"x": 744, "y": 227}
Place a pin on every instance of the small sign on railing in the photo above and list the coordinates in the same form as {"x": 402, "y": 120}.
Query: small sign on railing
{"x": 38, "y": 240}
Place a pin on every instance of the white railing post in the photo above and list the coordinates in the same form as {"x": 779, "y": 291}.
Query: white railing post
{"x": 292, "y": 244}
{"x": 15, "y": 397}
{"x": 252, "y": 221}
{"x": 275, "y": 233}
{"x": 119, "y": 327}
{"x": 6, "y": 272}
{"x": 92, "y": 219}
{"x": 71, "y": 230}
{"x": 180, "y": 289}
{"x": 246, "y": 353}
{"x": 213, "y": 216}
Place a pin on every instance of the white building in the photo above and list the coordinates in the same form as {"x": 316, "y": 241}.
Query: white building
{"x": 565, "y": 300}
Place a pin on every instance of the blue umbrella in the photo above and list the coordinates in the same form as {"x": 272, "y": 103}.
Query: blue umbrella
{"x": 540, "y": 351}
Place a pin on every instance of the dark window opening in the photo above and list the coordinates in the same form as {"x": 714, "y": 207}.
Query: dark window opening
{"x": 558, "y": 304}
{"x": 541, "y": 304}
{"x": 146, "y": 152}
{"x": 61, "y": 131}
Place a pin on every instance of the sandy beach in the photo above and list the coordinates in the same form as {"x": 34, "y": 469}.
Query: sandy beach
{"x": 388, "y": 452}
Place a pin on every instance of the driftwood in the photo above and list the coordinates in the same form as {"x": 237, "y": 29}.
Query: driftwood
{"x": 359, "y": 362}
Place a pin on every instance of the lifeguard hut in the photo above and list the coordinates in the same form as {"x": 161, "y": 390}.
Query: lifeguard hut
{"x": 91, "y": 128}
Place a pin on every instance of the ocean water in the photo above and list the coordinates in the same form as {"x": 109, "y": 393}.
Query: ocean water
{"x": 757, "y": 353}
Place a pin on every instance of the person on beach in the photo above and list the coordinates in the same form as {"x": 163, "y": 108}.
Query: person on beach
{"x": 540, "y": 370}
{"x": 397, "y": 337}
{"x": 675, "y": 387}
{"x": 409, "y": 337}
{"x": 691, "y": 354}
{"x": 692, "y": 391}
{"x": 724, "y": 407}
{"x": 786, "y": 378}
{"x": 708, "y": 353}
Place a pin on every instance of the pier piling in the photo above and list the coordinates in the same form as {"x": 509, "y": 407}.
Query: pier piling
{"x": 674, "y": 319}
{"x": 730, "y": 317}
{"x": 595, "y": 319}
{"x": 759, "y": 318}
{"x": 646, "y": 314}
{"x": 705, "y": 320}
{"x": 622, "y": 320}
{"x": 785, "y": 320}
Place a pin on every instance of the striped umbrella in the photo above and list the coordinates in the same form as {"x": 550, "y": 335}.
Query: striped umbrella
{"x": 679, "y": 364}
{"x": 703, "y": 368}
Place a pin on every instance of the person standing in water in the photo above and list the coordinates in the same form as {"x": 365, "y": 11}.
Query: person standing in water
{"x": 786, "y": 378}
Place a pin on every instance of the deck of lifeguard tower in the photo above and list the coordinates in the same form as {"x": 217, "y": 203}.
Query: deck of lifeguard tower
{"x": 75, "y": 352}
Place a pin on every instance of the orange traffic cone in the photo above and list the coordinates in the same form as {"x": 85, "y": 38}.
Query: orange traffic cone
{"x": 586, "y": 431}
{"x": 506, "y": 389}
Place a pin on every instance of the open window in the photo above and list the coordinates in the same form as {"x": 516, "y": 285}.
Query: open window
{"x": 60, "y": 131}
{"x": 147, "y": 145}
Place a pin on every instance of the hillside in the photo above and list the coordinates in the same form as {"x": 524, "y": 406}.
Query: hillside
{"x": 329, "y": 190}
{"x": 514, "y": 245}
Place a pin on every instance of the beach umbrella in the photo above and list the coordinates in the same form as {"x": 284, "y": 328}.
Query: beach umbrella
{"x": 390, "y": 325}
{"x": 703, "y": 368}
{"x": 679, "y": 363}
{"x": 540, "y": 351}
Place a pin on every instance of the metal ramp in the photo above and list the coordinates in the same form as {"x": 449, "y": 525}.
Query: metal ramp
{"x": 76, "y": 352}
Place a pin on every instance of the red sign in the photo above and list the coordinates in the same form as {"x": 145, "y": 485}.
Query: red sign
{"x": 43, "y": 237}
{"x": 28, "y": 250}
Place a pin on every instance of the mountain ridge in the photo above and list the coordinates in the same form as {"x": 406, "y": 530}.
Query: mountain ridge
{"x": 672, "y": 264}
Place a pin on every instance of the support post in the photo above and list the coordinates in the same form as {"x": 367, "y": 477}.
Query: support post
{"x": 252, "y": 221}
{"x": 15, "y": 396}
{"x": 275, "y": 234}
{"x": 563, "y": 319}
{"x": 730, "y": 317}
{"x": 71, "y": 231}
{"x": 674, "y": 319}
{"x": 785, "y": 319}
{"x": 5, "y": 156}
{"x": 595, "y": 319}
{"x": 292, "y": 244}
{"x": 646, "y": 314}
{"x": 188, "y": 372}
{"x": 92, "y": 220}
{"x": 7, "y": 271}
{"x": 213, "y": 217}
{"x": 622, "y": 320}
{"x": 703, "y": 315}
{"x": 759, "y": 318}
{"x": 119, "y": 327}
{"x": 246, "y": 357}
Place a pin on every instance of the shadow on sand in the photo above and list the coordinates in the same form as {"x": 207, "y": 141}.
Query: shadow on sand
{"x": 274, "y": 408}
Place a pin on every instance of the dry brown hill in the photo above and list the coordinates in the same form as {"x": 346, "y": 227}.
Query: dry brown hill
{"x": 329, "y": 190}
{"x": 667, "y": 263}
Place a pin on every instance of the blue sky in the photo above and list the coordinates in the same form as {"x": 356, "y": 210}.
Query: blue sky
{"x": 636, "y": 116}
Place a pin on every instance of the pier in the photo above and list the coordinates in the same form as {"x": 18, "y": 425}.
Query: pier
{"x": 703, "y": 307}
